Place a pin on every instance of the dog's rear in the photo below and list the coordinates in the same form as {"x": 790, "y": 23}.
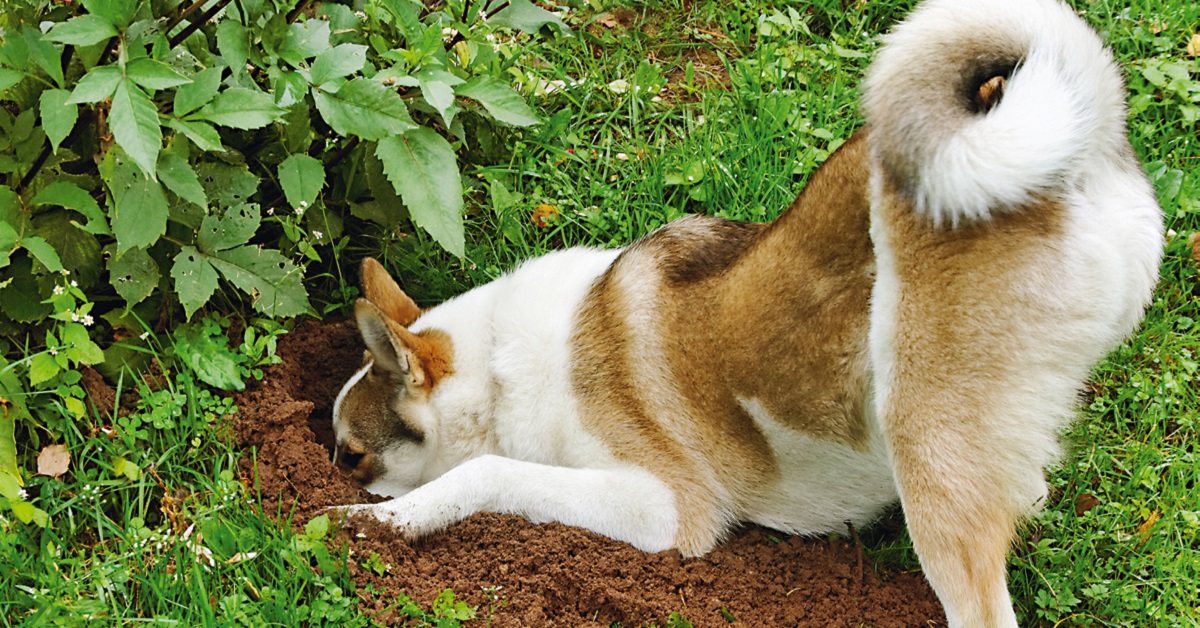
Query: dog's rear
{"x": 1017, "y": 241}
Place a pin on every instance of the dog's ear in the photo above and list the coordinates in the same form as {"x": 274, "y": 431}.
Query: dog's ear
{"x": 380, "y": 289}
{"x": 395, "y": 349}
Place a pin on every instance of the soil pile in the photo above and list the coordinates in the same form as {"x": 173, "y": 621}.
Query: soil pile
{"x": 547, "y": 575}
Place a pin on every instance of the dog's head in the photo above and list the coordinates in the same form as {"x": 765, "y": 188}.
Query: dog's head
{"x": 383, "y": 418}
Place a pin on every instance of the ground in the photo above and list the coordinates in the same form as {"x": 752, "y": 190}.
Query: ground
{"x": 521, "y": 574}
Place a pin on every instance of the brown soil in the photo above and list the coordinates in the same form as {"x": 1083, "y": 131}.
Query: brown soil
{"x": 548, "y": 575}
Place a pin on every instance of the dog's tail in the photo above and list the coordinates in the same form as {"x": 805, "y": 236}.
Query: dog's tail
{"x": 978, "y": 106}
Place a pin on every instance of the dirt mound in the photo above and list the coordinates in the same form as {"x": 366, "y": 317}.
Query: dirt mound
{"x": 549, "y": 574}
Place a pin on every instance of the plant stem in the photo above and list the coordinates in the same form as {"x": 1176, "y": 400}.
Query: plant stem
{"x": 195, "y": 24}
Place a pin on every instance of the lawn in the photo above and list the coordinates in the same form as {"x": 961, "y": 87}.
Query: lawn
{"x": 649, "y": 111}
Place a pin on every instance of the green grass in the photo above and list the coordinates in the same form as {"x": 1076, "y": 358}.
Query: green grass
{"x": 757, "y": 96}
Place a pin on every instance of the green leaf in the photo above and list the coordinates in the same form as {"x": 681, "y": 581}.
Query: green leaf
{"x": 134, "y": 275}
{"x": 177, "y": 174}
{"x": 84, "y": 30}
{"x": 302, "y": 178}
{"x": 233, "y": 42}
{"x": 126, "y": 469}
{"x": 58, "y": 118}
{"x": 525, "y": 16}
{"x": 118, "y": 12}
{"x": 139, "y": 208}
{"x": 153, "y": 74}
{"x": 134, "y": 123}
{"x": 42, "y": 367}
{"x": 202, "y": 134}
{"x": 82, "y": 349}
{"x": 195, "y": 279}
{"x": 235, "y": 228}
{"x": 304, "y": 41}
{"x": 28, "y": 513}
{"x": 437, "y": 87}
{"x": 317, "y": 528}
{"x": 191, "y": 96}
{"x": 422, "y": 167}
{"x": 45, "y": 55}
{"x": 241, "y": 108}
{"x": 79, "y": 251}
{"x": 337, "y": 62}
{"x": 97, "y": 85}
{"x": 71, "y": 196}
{"x": 43, "y": 252}
{"x": 227, "y": 185}
{"x": 10, "y": 487}
{"x": 8, "y": 242}
{"x": 504, "y": 103}
{"x": 272, "y": 281}
{"x": 8, "y": 78}
{"x": 364, "y": 108}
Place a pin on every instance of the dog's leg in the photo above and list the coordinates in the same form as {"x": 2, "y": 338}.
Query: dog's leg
{"x": 627, "y": 504}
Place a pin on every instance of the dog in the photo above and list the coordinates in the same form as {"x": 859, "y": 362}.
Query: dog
{"x": 916, "y": 326}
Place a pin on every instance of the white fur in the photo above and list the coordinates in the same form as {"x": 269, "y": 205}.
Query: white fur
{"x": 1062, "y": 106}
{"x": 502, "y": 433}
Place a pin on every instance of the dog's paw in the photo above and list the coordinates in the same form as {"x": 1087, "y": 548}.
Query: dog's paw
{"x": 408, "y": 517}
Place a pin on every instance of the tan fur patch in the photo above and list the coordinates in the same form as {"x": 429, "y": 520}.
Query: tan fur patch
{"x": 381, "y": 289}
{"x": 706, "y": 312}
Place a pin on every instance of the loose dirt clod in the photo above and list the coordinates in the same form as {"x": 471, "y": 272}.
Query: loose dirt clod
{"x": 547, "y": 575}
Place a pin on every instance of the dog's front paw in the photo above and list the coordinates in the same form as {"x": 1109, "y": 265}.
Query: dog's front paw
{"x": 406, "y": 516}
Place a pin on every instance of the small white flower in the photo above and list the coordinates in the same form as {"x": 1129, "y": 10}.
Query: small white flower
{"x": 318, "y": 235}
{"x": 1170, "y": 234}
{"x": 300, "y": 211}
{"x": 490, "y": 37}
{"x": 270, "y": 211}
{"x": 360, "y": 15}
{"x": 304, "y": 204}
{"x": 53, "y": 351}
{"x": 23, "y": 494}
{"x": 88, "y": 320}
{"x": 59, "y": 290}
{"x": 74, "y": 284}
{"x": 483, "y": 15}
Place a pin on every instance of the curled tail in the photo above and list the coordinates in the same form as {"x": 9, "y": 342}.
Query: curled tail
{"x": 977, "y": 106}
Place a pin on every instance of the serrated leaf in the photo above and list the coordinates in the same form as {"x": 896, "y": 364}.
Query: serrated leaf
{"x": 500, "y": 100}
{"x": 134, "y": 123}
{"x": 274, "y": 284}
{"x": 118, "y": 12}
{"x": 525, "y": 16}
{"x": 8, "y": 78}
{"x": 241, "y": 108}
{"x": 199, "y": 92}
{"x": 177, "y": 174}
{"x": 227, "y": 185}
{"x": 202, "y": 134}
{"x": 98, "y": 84}
{"x": 42, "y": 367}
{"x": 233, "y": 42}
{"x": 337, "y": 62}
{"x": 44, "y": 55}
{"x": 422, "y": 167}
{"x": 235, "y": 228}
{"x": 195, "y": 279}
{"x": 71, "y": 196}
{"x": 58, "y": 117}
{"x": 83, "y": 350}
{"x": 208, "y": 356}
{"x": 364, "y": 108}
{"x": 437, "y": 88}
{"x": 305, "y": 40}
{"x": 43, "y": 252}
{"x": 139, "y": 208}
{"x": 84, "y": 30}
{"x": 133, "y": 275}
{"x": 153, "y": 74}
{"x": 302, "y": 178}
{"x": 78, "y": 251}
